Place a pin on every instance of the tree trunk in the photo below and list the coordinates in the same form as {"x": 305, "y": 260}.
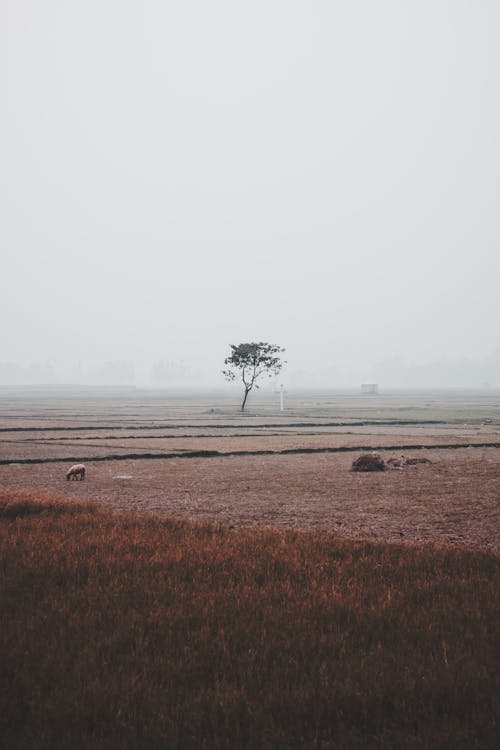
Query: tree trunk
{"x": 247, "y": 391}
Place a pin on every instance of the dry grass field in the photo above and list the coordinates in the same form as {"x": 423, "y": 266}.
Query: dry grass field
{"x": 223, "y": 581}
{"x": 196, "y": 456}
{"x": 129, "y": 632}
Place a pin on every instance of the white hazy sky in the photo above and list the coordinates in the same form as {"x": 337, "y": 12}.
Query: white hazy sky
{"x": 179, "y": 176}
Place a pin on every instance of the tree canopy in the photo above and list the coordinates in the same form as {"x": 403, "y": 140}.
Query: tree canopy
{"x": 250, "y": 361}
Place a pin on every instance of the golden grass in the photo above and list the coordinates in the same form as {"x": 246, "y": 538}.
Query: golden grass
{"x": 121, "y": 631}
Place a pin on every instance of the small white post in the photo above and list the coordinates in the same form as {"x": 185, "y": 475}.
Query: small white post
{"x": 281, "y": 397}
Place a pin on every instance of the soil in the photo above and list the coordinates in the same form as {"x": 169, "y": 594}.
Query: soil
{"x": 454, "y": 499}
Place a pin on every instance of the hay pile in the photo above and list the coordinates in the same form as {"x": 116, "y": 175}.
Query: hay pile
{"x": 396, "y": 463}
{"x": 368, "y": 462}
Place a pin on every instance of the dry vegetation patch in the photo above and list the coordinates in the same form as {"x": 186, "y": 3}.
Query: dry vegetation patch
{"x": 368, "y": 462}
{"x": 142, "y": 632}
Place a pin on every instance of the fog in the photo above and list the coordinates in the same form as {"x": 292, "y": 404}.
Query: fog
{"x": 180, "y": 176}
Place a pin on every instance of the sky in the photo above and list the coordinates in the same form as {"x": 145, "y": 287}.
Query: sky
{"x": 177, "y": 177}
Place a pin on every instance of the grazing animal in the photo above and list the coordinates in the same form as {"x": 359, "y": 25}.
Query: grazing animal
{"x": 75, "y": 472}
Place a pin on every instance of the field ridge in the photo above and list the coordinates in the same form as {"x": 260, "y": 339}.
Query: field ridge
{"x": 262, "y": 452}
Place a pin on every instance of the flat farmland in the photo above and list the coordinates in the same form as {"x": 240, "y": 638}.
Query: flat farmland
{"x": 195, "y": 455}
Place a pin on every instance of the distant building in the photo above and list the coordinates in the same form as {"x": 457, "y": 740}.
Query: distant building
{"x": 369, "y": 388}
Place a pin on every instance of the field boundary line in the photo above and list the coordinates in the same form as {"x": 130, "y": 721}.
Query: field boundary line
{"x": 224, "y": 454}
{"x": 275, "y": 425}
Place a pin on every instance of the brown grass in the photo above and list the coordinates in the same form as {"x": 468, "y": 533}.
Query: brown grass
{"x": 121, "y": 631}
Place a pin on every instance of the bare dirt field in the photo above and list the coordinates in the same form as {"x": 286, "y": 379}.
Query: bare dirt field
{"x": 194, "y": 455}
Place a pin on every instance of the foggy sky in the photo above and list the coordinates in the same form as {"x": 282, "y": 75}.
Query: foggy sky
{"x": 179, "y": 176}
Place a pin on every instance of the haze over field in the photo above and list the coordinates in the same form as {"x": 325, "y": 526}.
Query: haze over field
{"x": 177, "y": 177}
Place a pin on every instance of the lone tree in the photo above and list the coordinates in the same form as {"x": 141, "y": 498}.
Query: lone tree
{"x": 250, "y": 361}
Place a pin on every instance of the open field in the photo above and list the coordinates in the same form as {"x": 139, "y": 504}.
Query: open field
{"x": 133, "y": 632}
{"x": 261, "y": 595}
{"x": 196, "y": 456}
